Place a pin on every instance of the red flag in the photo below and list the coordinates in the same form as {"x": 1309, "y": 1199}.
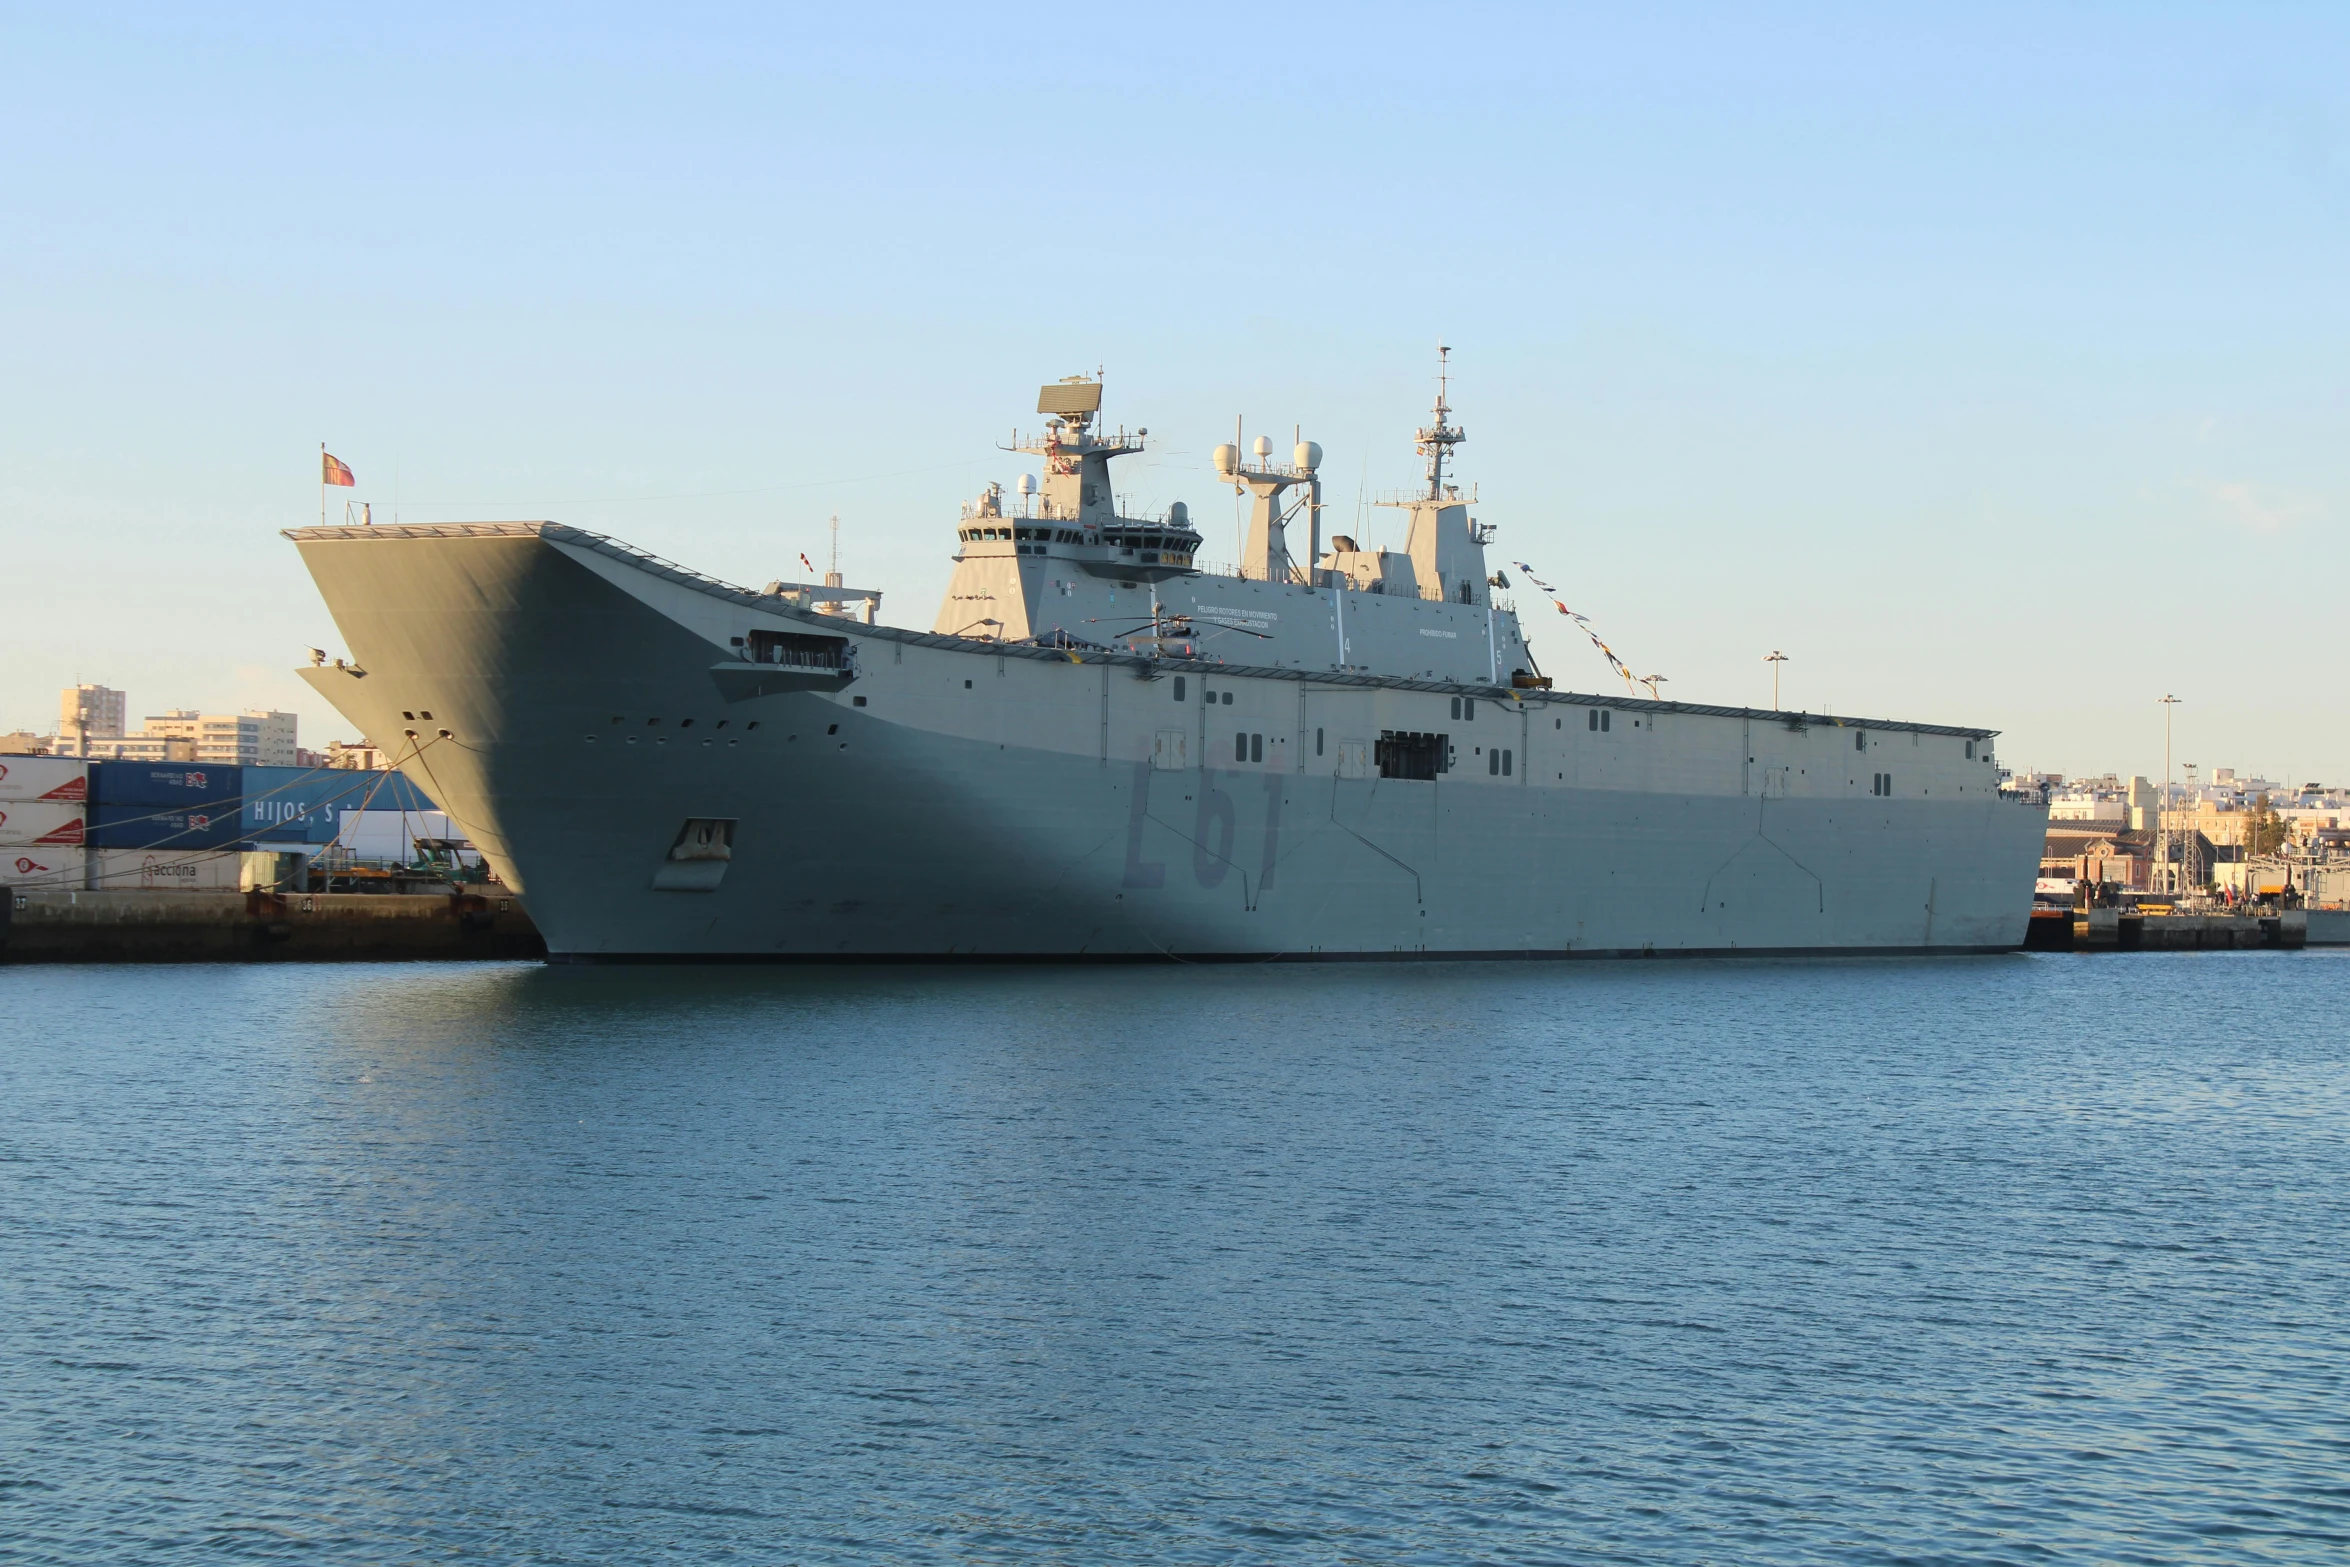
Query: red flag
{"x": 811, "y": 565}
{"x": 333, "y": 470}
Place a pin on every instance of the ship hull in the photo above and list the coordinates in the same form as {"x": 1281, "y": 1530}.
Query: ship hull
{"x": 955, "y": 800}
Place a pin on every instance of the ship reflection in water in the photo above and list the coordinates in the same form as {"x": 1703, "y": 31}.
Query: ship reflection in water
{"x": 1645, "y": 1262}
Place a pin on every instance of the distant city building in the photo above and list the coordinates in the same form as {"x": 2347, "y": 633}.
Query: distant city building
{"x": 2194, "y": 835}
{"x": 2105, "y": 799}
{"x": 254, "y": 738}
{"x": 358, "y": 756}
{"x": 250, "y": 739}
{"x": 90, "y": 712}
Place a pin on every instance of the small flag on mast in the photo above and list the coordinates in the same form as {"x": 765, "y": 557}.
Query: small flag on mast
{"x": 811, "y": 565}
{"x": 333, "y": 470}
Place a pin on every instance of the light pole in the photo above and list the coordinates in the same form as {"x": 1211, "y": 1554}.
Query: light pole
{"x": 1774, "y": 658}
{"x": 2162, "y": 808}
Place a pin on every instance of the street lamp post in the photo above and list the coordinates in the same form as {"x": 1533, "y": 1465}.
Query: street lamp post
{"x": 2162, "y": 809}
{"x": 1774, "y": 658}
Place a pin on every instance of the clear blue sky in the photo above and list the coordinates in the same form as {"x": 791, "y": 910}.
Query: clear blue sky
{"x": 1988, "y": 360}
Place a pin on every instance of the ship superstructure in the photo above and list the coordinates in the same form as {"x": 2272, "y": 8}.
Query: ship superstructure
{"x": 1062, "y": 567}
{"x": 1105, "y": 747}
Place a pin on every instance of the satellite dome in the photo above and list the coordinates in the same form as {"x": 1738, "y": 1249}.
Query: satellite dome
{"x": 1226, "y": 457}
{"x": 1308, "y": 455}
{"x": 1178, "y": 516}
{"x": 1028, "y": 484}
{"x": 1263, "y": 446}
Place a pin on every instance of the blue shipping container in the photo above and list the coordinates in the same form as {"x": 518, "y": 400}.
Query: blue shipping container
{"x": 155, "y": 827}
{"x": 184, "y": 786}
{"x": 305, "y": 804}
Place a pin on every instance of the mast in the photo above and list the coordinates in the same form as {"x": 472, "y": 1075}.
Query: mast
{"x": 1437, "y": 441}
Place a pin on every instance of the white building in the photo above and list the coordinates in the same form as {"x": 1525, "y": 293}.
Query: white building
{"x": 89, "y": 712}
{"x": 248, "y": 739}
{"x": 358, "y": 756}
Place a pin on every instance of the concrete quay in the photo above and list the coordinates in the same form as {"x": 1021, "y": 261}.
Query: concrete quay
{"x": 138, "y": 926}
{"x": 2125, "y": 930}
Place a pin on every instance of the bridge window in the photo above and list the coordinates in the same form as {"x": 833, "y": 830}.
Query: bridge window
{"x": 1178, "y": 688}
{"x": 795, "y": 650}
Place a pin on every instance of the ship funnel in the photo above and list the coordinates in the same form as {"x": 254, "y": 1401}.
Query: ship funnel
{"x": 1226, "y": 458}
{"x": 1308, "y": 455}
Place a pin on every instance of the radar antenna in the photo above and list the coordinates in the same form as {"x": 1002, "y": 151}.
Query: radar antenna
{"x": 1438, "y": 440}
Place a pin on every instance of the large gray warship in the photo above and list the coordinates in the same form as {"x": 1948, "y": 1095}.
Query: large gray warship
{"x": 1107, "y": 748}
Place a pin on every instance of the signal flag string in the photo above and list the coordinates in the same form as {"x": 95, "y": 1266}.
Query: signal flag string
{"x": 1584, "y": 622}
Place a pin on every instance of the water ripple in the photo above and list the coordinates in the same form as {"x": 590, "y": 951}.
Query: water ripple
{"x": 2019, "y": 1260}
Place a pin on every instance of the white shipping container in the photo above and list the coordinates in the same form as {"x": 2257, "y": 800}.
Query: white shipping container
{"x": 389, "y": 837}
{"x": 50, "y": 823}
{"x": 153, "y": 870}
{"x": 44, "y": 778}
{"x": 28, "y": 869}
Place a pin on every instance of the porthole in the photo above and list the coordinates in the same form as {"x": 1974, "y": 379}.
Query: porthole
{"x": 753, "y": 724}
{"x": 411, "y": 717}
{"x": 832, "y": 729}
{"x": 685, "y": 723}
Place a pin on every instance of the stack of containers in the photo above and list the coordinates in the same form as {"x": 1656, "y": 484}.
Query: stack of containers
{"x": 164, "y": 825}
{"x": 42, "y": 821}
{"x": 290, "y": 806}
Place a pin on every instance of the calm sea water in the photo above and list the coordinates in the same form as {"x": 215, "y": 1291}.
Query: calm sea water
{"x": 2024, "y": 1259}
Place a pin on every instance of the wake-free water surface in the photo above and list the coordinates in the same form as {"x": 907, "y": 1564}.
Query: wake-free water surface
{"x": 2005, "y": 1259}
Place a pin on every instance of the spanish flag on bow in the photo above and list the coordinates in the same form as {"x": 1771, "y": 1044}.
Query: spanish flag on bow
{"x": 333, "y": 470}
